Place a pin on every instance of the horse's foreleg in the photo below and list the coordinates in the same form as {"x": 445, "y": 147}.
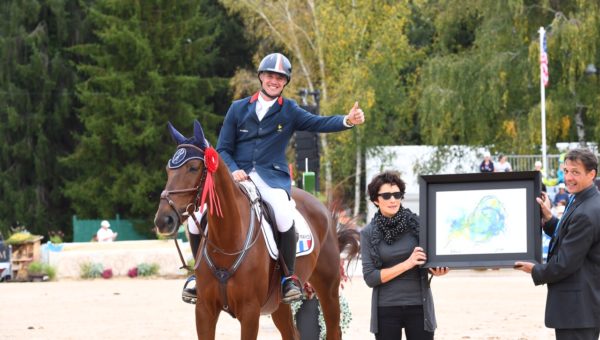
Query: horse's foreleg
{"x": 284, "y": 322}
{"x": 206, "y": 321}
{"x": 249, "y": 321}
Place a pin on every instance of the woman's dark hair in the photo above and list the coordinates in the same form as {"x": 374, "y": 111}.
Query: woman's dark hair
{"x": 585, "y": 156}
{"x": 387, "y": 177}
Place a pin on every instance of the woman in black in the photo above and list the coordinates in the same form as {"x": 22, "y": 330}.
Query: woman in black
{"x": 391, "y": 258}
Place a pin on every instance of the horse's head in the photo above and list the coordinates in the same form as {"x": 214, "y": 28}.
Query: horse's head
{"x": 186, "y": 174}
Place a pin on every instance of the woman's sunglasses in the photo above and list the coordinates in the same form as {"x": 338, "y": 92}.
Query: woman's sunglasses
{"x": 387, "y": 195}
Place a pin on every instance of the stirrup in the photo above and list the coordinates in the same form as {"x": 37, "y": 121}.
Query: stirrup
{"x": 188, "y": 295}
{"x": 294, "y": 292}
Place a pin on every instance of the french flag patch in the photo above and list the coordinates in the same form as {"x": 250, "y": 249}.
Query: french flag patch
{"x": 305, "y": 243}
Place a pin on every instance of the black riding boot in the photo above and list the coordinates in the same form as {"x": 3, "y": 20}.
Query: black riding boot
{"x": 189, "y": 294}
{"x": 290, "y": 284}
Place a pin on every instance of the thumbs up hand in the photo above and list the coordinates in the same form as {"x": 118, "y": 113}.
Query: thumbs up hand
{"x": 356, "y": 116}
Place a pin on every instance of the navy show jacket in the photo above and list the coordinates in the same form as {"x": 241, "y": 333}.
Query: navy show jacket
{"x": 247, "y": 143}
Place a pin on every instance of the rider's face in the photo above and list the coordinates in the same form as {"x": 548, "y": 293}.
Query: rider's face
{"x": 272, "y": 83}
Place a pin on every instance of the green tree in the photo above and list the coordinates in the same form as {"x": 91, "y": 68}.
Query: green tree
{"x": 481, "y": 84}
{"x": 348, "y": 51}
{"x": 37, "y": 113}
{"x": 573, "y": 40}
{"x": 368, "y": 57}
{"x": 152, "y": 62}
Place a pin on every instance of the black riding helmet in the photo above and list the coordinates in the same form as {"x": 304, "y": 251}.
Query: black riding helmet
{"x": 277, "y": 63}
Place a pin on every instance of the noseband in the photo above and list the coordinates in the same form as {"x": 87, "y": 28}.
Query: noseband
{"x": 164, "y": 195}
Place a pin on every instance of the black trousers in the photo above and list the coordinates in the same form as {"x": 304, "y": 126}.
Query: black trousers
{"x": 391, "y": 321}
{"x": 577, "y": 334}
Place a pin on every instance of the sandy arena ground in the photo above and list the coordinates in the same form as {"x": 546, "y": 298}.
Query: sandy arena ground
{"x": 492, "y": 304}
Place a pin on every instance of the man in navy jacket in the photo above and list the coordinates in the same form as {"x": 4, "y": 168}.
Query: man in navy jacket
{"x": 572, "y": 271}
{"x": 253, "y": 140}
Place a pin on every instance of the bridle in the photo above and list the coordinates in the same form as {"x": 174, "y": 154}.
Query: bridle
{"x": 191, "y": 207}
{"x": 164, "y": 195}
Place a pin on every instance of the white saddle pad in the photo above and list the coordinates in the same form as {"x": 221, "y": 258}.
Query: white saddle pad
{"x": 305, "y": 244}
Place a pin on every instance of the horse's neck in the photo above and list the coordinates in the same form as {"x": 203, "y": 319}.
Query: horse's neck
{"x": 235, "y": 208}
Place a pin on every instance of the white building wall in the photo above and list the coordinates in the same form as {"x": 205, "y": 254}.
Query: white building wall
{"x": 412, "y": 161}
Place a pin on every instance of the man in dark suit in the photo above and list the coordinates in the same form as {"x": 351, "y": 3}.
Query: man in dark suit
{"x": 572, "y": 271}
{"x": 253, "y": 140}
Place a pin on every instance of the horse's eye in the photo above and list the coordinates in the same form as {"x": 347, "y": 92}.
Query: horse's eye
{"x": 193, "y": 169}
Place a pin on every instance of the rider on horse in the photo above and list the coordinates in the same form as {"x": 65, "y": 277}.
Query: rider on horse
{"x": 252, "y": 142}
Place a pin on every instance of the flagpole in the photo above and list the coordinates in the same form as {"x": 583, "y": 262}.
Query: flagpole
{"x": 543, "y": 97}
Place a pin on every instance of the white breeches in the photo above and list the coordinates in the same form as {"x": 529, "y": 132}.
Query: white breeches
{"x": 192, "y": 227}
{"x": 283, "y": 207}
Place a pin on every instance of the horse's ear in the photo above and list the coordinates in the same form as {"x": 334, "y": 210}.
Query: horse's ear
{"x": 199, "y": 135}
{"x": 177, "y": 137}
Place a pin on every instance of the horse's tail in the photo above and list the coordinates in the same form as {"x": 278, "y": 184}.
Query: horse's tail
{"x": 348, "y": 241}
{"x": 348, "y": 236}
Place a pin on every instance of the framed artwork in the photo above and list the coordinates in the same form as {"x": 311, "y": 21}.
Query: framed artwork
{"x": 480, "y": 220}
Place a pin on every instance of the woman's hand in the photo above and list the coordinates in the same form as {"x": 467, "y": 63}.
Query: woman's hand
{"x": 439, "y": 271}
{"x": 417, "y": 258}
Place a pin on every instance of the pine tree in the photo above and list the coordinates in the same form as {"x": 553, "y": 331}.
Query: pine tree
{"x": 37, "y": 111}
{"x": 151, "y": 63}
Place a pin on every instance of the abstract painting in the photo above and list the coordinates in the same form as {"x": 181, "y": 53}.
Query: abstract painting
{"x": 481, "y": 221}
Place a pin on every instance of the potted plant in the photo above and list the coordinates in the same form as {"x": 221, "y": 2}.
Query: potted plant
{"x": 55, "y": 240}
{"x": 310, "y": 321}
{"x": 38, "y": 271}
{"x": 91, "y": 270}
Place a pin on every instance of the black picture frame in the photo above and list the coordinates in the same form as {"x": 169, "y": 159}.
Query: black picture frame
{"x": 480, "y": 220}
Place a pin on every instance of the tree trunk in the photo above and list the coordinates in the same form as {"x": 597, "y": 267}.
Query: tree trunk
{"x": 357, "y": 187}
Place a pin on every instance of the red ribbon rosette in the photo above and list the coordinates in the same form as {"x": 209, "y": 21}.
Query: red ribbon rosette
{"x": 211, "y": 162}
{"x": 211, "y": 159}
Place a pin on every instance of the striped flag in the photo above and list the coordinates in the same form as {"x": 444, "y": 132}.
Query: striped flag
{"x": 544, "y": 62}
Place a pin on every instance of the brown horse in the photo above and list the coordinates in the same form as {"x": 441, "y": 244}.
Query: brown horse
{"x": 235, "y": 272}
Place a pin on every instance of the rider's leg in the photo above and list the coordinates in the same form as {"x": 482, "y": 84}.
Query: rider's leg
{"x": 189, "y": 293}
{"x": 283, "y": 208}
{"x": 291, "y": 285}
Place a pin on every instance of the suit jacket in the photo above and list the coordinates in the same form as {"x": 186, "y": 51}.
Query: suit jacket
{"x": 572, "y": 271}
{"x": 246, "y": 143}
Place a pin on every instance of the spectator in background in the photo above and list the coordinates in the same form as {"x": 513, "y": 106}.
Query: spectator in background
{"x": 486, "y": 165}
{"x": 562, "y": 194}
{"x": 503, "y": 165}
{"x": 559, "y": 209}
{"x": 560, "y": 173}
{"x": 538, "y": 167}
{"x": 105, "y": 234}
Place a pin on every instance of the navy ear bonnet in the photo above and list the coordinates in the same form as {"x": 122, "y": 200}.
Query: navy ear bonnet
{"x": 188, "y": 148}
{"x": 184, "y": 153}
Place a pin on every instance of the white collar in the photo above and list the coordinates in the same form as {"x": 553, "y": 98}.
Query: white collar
{"x": 264, "y": 102}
